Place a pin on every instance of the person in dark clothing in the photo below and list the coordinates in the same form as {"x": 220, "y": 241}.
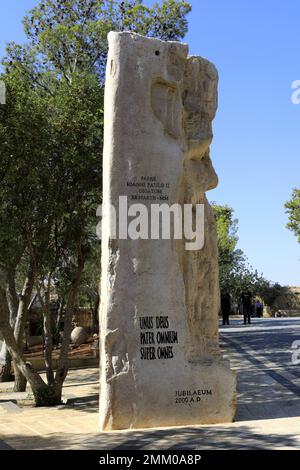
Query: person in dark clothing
{"x": 247, "y": 306}
{"x": 259, "y": 308}
{"x": 225, "y": 307}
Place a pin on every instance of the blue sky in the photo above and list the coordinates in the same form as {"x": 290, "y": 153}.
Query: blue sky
{"x": 255, "y": 46}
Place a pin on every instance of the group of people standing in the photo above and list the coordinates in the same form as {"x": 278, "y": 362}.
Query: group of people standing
{"x": 247, "y": 306}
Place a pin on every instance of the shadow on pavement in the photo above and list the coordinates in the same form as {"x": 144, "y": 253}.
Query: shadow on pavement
{"x": 214, "y": 438}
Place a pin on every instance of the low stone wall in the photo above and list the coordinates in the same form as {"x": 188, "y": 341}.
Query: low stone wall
{"x": 76, "y": 362}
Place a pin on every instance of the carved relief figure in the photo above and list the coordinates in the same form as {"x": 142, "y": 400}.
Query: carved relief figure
{"x": 186, "y": 105}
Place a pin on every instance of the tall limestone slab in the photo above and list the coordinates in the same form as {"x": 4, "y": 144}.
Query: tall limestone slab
{"x": 160, "y": 358}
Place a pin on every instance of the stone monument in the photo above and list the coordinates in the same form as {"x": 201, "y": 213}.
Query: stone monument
{"x": 159, "y": 349}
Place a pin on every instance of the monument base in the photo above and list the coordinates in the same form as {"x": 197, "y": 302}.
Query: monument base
{"x": 202, "y": 393}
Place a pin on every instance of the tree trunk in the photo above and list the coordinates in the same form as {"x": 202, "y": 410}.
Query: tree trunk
{"x": 23, "y": 307}
{"x": 5, "y": 365}
{"x": 19, "y": 330}
{"x": 11, "y": 295}
{"x": 60, "y": 314}
{"x": 63, "y": 362}
{"x": 47, "y": 327}
{"x": 20, "y": 381}
{"x": 44, "y": 395}
{"x": 12, "y": 301}
{"x": 48, "y": 346}
{"x": 95, "y": 315}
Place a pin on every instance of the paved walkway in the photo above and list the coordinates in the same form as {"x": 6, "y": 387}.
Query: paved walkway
{"x": 268, "y": 414}
{"x": 268, "y": 382}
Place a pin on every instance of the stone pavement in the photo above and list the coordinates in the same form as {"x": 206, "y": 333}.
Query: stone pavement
{"x": 268, "y": 414}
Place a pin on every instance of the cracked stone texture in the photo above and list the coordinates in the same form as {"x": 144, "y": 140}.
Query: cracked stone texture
{"x": 159, "y": 107}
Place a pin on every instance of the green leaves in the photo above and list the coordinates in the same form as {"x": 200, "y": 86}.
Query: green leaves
{"x": 51, "y": 130}
{"x": 169, "y": 20}
{"x": 293, "y": 211}
{"x": 50, "y": 167}
{"x": 236, "y": 275}
{"x": 72, "y": 35}
{"x": 226, "y": 231}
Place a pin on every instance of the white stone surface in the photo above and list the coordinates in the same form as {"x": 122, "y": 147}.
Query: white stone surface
{"x": 78, "y": 336}
{"x": 9, "y": 407}
{"x": 159, "y": 105}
